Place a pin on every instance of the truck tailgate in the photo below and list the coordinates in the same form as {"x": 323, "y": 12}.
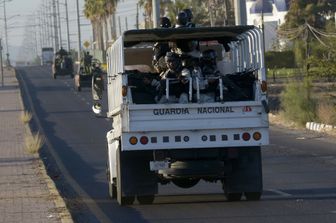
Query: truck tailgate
{"x": 177, "y": 117}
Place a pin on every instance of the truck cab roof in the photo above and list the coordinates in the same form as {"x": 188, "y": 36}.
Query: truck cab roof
{"x": 222, "y": 34}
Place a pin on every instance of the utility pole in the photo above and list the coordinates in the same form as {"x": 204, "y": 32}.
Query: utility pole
{"x": 67, "y": 23}
{"x": 79, "y": 35}
{"x": 59, "y": 23}
{"x": 49, "y": 18}
{"x": 1, "y": 64}
{"x": 126, "y": 23}
{"x": 240, "y": 12}
{"x": 156, "y": 13}
{"x": 137, "y": 16}
{"x": 6, "y": 34}
{"x": 55, "y": 25}
{"x": 119, "y": 22}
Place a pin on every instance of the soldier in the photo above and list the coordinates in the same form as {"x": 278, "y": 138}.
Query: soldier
{"x": 87, "y": 62}
{"x": 210, "y": 74}
{"x": 181, "y": 20}
{"x": 177, "y": 89}
{"x": 160, "y": 49}
{"x": 189, "y": 17}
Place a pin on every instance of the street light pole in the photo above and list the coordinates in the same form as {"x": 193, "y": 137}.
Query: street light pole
{"x": 79, "y": 35}
{"x": 6, "y": 34}
{"x": 55, "y": 25}
{"x": 156, "y": 13}
{"x": 67, "y": 23}
{"x": 2, "y": 73}
{"x": 59, "y": 23}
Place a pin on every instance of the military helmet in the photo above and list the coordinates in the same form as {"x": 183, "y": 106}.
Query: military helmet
{"x": 165, "y": 22}
{"x": 189, "y": 14}
{"x": 173, "y": 61}
{"x": 181, "y": 19}
{"x": 209, "y": 56}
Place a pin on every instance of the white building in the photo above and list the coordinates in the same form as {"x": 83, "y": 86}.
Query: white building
{"x": 273, "y": 13}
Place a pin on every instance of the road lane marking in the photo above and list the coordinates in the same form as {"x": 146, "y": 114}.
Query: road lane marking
{"x": 279, "y": 192}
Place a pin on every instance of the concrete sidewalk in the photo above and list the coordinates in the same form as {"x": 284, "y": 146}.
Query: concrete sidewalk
{"x": 26, "y": 192}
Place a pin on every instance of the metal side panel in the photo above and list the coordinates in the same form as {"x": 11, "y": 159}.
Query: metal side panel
{"x": 113, "y": 145}
{"x": 178, "y": 117}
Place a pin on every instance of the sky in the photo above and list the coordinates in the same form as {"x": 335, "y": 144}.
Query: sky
{"x": 19, "y": 14}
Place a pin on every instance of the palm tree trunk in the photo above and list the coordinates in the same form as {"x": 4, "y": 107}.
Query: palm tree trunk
{"x": 106, "y": 32}
{"x": 113, "y": 26}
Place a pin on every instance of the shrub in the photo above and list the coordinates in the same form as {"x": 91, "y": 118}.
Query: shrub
{"x": 297, "y": 103}
{"x": 34, "y": 143}
{"x": 284, "y": 59}
{"x": 26, "y": 117}
{"x": 326, "y": 112}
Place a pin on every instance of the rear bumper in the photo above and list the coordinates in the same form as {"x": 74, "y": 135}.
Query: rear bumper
{"x": 224, "y": 138}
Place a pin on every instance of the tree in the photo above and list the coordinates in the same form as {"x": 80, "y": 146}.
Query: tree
{"x": 94, "y": 11}
{"x": 98, "y": 12}
{"x": 147, "y": 6}
{"x": 314, "y": 12}
{"x": 222, "y": 11}
{"x": 301, "y": 22}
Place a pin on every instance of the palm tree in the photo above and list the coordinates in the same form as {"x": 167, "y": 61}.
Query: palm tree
{"x": 147, "y": 5}
{"x": 110, "y": 8}
{"x": 98, "y": 12}
{"x": 94, "y": 11}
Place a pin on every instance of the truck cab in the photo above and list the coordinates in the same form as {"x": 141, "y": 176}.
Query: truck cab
{"x": 214, "y": 134}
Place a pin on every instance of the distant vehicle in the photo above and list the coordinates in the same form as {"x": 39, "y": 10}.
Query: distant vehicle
{"x": 47, "y": 56}
{"x": 90, "y": 68}
{"x": 214, "y": 134}
{"x": 62, "y": 65}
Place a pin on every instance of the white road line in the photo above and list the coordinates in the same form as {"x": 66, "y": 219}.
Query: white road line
{"x": 283, "y": 194}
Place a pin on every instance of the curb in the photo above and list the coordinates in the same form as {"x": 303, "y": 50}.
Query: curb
{"x": 319, "y": 127}
{"x": 60, "y": 205}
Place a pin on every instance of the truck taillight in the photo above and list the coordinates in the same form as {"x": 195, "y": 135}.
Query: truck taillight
{"x": 257, "y": 136}
{"x": 124, "y": 91}
{"x": 246, "y": 136}
{"x": 263, "y": 86}
{"x": 144, "y": 140}
{"x": 133, "y": 140}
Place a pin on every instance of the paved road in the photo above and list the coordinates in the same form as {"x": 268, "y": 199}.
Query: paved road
{"x": 299, "y": 169}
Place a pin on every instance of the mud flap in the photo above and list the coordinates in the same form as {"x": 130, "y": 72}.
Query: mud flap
{"x": 246, "y": 172}
{"x": 135, "y": 175}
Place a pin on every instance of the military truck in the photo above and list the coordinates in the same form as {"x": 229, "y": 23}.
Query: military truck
{"x": 62, "y": 65}
{"x": 154, "y": 141}
{"x": 47, "y": 56}
{"x": 88, "y": 70}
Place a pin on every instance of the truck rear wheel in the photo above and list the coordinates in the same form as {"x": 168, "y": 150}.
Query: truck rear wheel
{"x": 185, "y": 182}
{"x": 112, "y": 190}
{"x": 253, "y": 196}
{"x": 233, "y": 196}
{"x": 122, "y": 200}
{"x": 147, "y": 199}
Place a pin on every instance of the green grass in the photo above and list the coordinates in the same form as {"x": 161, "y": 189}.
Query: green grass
{"x": 297, "y": 103}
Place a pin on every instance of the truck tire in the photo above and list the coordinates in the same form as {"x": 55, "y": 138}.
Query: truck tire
{"x": 233, "y": 196}
{"x": 253, "y": 196}
{"x": 122, "y": 200}
{"x": 185, "y": 182}
{"x": 147, "y": 199}
{"x": 112, "y": 190}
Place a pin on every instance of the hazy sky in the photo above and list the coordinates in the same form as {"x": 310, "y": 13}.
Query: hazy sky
{"x": 25, "y": 8}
